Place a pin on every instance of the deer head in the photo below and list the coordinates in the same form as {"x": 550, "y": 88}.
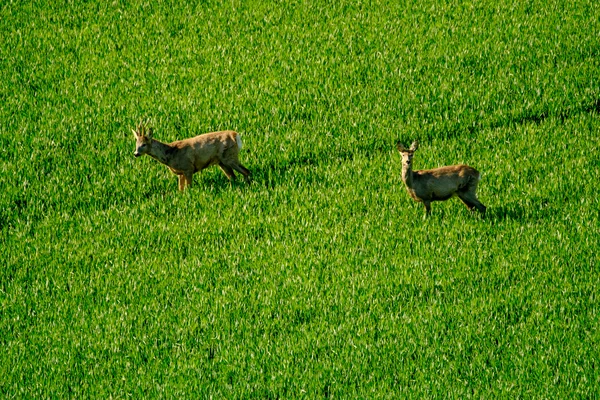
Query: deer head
{"x": 143, "y": 138}
{"x": 407, "y": 154}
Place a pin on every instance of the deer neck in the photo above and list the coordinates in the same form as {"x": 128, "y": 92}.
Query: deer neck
{"x": 407, "y": 176}
{"x": 161, "y": 152}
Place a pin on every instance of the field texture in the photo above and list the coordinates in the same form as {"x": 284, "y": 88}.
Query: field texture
{"x": 321, "y": 279}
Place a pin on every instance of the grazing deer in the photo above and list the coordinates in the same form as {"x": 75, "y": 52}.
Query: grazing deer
{"x": 439, "y": 184}
{"x": 186, "y": 157}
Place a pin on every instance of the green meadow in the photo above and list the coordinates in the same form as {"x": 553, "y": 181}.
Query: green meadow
{"x": 322, "y": 278}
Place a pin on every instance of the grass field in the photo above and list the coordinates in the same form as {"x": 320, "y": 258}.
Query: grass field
{"x": 321, "y": 279}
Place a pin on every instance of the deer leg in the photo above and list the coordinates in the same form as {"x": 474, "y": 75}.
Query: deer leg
{"x": 188, "y": 178}
{"x": 471, "y": 201}
{"x": 181, "y": 179}
{"x": 242, "y": 170}
{"x": 228, "y": 171}
{"x": 480, "y": 207}
{"x": 465, "y": 199}
{"x": 427, "y": 205}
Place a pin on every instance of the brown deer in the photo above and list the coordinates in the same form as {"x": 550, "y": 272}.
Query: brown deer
{"x": 186, "y": 157}
{"x": 439, "y": 184}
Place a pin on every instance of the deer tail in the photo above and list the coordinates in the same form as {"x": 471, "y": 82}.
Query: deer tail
{"x": 475, "y": 178}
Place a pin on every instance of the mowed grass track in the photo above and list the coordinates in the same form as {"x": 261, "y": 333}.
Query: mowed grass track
{"x": 322, "y": 278}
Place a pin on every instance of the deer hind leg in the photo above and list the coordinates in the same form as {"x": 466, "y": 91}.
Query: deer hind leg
{"x": 227, "y": 170}
{"x": 471, "y": 201}
{"x": 427, "y": 205}
{"x": 242, "y": 170}
{"x": 480, "y": 207}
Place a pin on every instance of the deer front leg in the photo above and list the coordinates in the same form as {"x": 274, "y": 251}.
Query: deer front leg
{"x": 181, "y": 179}
{"x": 188, "y": 178}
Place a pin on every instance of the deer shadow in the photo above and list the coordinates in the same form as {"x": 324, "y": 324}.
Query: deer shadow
{"x": 541, "y": 208}
{"x": 276, "y": 173}
{"x": 511, "y": 212}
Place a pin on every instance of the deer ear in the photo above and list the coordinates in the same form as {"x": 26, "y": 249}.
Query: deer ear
{"x": 135, "y": 134}
{"x": 149, "y": 133}
{"x": 414, "y": 146}
{"x": 400, "y": 147}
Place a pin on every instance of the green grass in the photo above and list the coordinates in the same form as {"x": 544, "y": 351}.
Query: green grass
{"x": 322, "y": 278}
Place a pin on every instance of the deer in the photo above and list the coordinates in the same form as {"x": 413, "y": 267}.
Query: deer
{"x": 186, "y": 157}
{"x": 439, "y": 184}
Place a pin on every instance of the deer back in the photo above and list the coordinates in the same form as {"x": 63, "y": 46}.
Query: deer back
{"x": 207, "y": 149}
{"x": 443, "y": 183}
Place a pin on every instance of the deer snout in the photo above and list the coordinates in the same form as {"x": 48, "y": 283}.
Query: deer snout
{"x": 137, "y": 154}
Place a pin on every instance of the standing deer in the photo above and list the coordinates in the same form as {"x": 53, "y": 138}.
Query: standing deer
{"x": 439, "y": 184}
{"x": 186, "y": 157}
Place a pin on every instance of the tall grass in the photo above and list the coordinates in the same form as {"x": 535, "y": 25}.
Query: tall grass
{"x": 322, "y": 278}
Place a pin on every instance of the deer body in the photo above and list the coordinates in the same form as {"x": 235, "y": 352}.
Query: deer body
{"x": 186, "y": 157}
{"x": 440, "y": 184}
